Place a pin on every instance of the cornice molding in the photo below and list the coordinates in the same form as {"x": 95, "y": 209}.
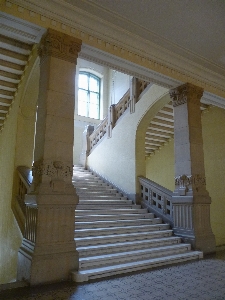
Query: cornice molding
{"x": 121, "y": 43}
{"x": 125, "y": 66}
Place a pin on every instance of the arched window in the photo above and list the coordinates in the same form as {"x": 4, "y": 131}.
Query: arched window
{"x": 89, "y": 95}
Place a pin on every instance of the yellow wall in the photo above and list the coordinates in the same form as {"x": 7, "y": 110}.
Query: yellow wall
{"x": 16, "y": 148}
{"x": 214, "y": 151}
{"x": 160, "y": 167}
{"x": 115, "y": 158}
{"x": 10, "y": 238}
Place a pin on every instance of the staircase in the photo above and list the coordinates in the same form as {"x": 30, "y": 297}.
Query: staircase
{"x": 114, "y": 236}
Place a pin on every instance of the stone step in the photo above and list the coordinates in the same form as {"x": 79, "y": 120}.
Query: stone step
{"x": 119, "y": 230}
{"x": 114, "y": 238}
{"x": 120, "y": 247}
{"x": 106, "y": 201}
{"x": 117, "y": 222}
{"x": 85, "y": 275}
{"x": 99, "y": 192}
{"x": 131, "y": 256}
{"x": 93, "y": 207}
{"x": 102, "y": 217}
{"x": 116, "y": 211}
{"x": 105, "y": 197}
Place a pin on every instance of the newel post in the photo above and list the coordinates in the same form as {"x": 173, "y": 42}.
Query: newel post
{"x": 111, "y": 120}
{"x": 86, "y": 146}
{"x": 48, "y": 253}
{"x": 191, "y": 200}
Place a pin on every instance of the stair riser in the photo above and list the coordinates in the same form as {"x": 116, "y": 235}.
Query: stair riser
{"x": 129, "y": 258}
{"x": 117, "y": 238}
{"x": 93, "y": 197}
{"x": 86, "y": 225}
{"x": 83, "y": 218}
{"x": 104, "y": 206}
{"x": 108, "y": 202}
{"x": 123, "y": 230}
{"x": 110, "y": 212}
{"x": 137, "y": 245}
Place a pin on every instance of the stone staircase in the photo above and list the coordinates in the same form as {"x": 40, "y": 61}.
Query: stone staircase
{"x": 114, "y": 236}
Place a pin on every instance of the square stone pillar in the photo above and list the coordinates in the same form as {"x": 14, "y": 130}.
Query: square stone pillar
{"x": 48, "y": 252}
{"x": 191, "y": 201}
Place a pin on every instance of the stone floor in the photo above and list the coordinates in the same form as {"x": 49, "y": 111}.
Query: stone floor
{"x": 201, "y": 280}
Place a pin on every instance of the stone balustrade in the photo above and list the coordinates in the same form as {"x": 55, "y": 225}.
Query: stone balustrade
{"x": 98, "y": 134}
{"x": 129, "y": 99}
{"x": 31, "y": 222}
{"x": 122, "y": 105}
{"x": 157, "y": 199}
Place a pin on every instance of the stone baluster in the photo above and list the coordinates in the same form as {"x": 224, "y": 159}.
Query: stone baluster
{"x": 191, "y": 201}
{"x": 111, "y": 120}
{"x": 53, "y": 254}
{"x": 133, "y": 94}
{"x": 86, "y": 145}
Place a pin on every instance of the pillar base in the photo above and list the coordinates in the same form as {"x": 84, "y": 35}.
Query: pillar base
{"x": 202, "y": 242}
{"x": 38, "y": 268}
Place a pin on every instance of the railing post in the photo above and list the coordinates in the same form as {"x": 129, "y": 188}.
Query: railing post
{"x": 133, "y": 94}
{"x": 111, "y": 120}
{"x": 86, "y": 147}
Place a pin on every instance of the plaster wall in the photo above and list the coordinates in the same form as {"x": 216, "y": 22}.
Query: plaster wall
{"x": 119, "y": 84}
{"x": 10, "y": 237}
{"x": 114, "y": 86}
{"x": 115, "y": 158}
{"x": 213, "y": 124}
{"x": 160, "y": 166}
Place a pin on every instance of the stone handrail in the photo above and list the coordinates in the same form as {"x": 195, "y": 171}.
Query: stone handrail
{"x": 98, "y": 134}
{"x": 157, "y": 199}
{"x": 129, "y": 99}
{"x": 122, "y": 105}
{"x": 22, "y": 183}
{"x": 31, "y": 222}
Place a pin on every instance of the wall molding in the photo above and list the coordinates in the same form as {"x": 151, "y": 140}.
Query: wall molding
{"x": 67, "y": 18}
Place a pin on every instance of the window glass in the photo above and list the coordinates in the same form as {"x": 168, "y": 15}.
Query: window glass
{"x": 89, "y": 95}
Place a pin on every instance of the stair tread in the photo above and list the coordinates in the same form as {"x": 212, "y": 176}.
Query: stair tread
{"x": 128, "y": 243}
{"x": 122, "y": 235}
{"x": 141, "y": 262}
{"x": 123, "y": 227}
{"x": 132, "y": 252}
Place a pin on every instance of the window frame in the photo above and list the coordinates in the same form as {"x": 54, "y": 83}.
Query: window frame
{"x": 90, "y": 74}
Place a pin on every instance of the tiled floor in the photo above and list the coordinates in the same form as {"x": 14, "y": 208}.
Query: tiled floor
{"x": 201, "y": 280}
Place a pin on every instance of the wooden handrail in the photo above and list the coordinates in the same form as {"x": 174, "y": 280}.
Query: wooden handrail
{"x": 157, "y": 199}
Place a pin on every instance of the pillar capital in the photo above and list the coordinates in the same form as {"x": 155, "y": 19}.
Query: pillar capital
{"x": 60, "y": 45}
{"x": 184, "y": 93}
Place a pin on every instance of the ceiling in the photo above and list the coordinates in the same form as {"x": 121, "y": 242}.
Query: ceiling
{"x": 192, "y": 29}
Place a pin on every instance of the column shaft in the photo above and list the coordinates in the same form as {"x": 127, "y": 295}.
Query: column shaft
{"x": 191, "y": 201}
{"x": 51, "y": 254}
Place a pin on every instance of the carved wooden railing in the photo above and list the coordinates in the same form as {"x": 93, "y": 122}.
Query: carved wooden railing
{"x": 157, "y": 199}
{"x": 129, "y": 100}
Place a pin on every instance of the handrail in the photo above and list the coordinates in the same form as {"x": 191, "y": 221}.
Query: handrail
{"x": 23, "y": 181}
{"x": 99, "y": 132}
{"x": 129, "y": 99}
{"x": 122, "y": 105}
{"x": 157, "y": 199}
